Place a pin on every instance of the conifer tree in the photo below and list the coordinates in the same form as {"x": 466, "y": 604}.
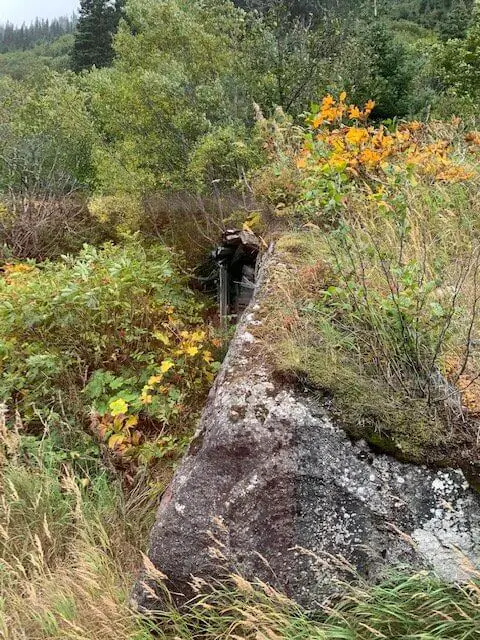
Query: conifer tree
{"x": 97, "y": 23}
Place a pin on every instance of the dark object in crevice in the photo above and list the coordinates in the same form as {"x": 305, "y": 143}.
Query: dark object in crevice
{"x": 231, "y": 273}
{"x": 237, "y": 263}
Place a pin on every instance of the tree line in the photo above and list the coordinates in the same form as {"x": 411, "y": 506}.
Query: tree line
{"x": 14, "y": 38}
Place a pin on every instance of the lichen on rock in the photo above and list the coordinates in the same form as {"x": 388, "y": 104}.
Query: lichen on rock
{"x": 273, "y": 488}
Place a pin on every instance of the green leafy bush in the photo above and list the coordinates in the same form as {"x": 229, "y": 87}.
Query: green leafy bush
{"x": 116, "y": 329}
{"x": 222, "y": 157}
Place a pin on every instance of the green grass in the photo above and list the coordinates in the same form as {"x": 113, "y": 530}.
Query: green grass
{"x": 71, "y": 546}
{"x": 406, "y": 606}
{"x": 376, "y": 310}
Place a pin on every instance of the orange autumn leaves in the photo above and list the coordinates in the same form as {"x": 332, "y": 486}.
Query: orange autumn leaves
{"x": 331, "y": 111}
{"x": 341, "y": 141}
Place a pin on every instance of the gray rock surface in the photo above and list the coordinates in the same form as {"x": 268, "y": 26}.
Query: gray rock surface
{"x": 272, "y": 488}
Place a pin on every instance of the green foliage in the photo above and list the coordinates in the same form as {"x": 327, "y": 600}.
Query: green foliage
{"x": 457, "y": 64}
{"x": 171, "y": 60}
{"x": 444, "y": 16}
{"x": 457, "y": 21}
{"x": 221, "y": 158}
{"x": 401, "y": 606}
{"x": 46, "y": 166}
{"x": 97, "y": 23}
{"x": 202, "y": 67}
{"x": 287, "y": 57}
{"x": 173, "y": 110}
{"x": 36, "y": 62}
{"x": 21, "y": 38}
{"x": 377, "y": 65}
{"x": 47, "y": 137}
{"x": 115, "y": 327}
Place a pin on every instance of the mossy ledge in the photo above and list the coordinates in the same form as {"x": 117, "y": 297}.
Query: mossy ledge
{"x": 313, "y": 352}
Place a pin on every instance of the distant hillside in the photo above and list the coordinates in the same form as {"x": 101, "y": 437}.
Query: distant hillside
{"x": 450, "y": 18}
{"x": 13, "y": 38}
{"x": 30, "y": 49}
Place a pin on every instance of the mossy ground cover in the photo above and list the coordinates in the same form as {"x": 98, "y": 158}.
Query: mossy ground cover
{"x": 325, "y": 356}
{"x": 374, "y": 292}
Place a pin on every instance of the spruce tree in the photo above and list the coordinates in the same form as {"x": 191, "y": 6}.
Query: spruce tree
{"x": 97, "y": 23}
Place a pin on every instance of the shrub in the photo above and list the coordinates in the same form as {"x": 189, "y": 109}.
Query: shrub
{"x": 115, "y": 328}
{"x": 122, "y": 213}
{"x": 45, "y": 227}
{"x": 193, "y": 223}
{"x": 47, "y": 137}
{"x": 383, "y": 310}
{"x": 222, "y": 158}
{"x": 277, "y": 183}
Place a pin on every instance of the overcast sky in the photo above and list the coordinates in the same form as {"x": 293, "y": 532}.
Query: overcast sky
{"x": 18, "y": 11}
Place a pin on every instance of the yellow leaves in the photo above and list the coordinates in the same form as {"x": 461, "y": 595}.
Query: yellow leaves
{"x": 338, "y": 161}
{"x": 414, "y": 126}
{"x": 162, "y": 337}
{"x": 370, "y": 158}
{"x": 361, "y": 151}
{"x": 318, "y": 120}
{"x": 330, "y": 111}
{"x": 166, "y": 365}
{"x": 123, "y": 440}
{"x": 118, "y": 433}
{"x": 17, "y": 268}
{"x": 172, "y": 391}
{"x": 207, "y": 356}
{"x": 338, "y": 144}
{"x": 369, "y": 107}
{"x": 356, "y": 135}
{"x": 185, "y": 369}
{"x": 302, "y": 160}
{"x": 13, "y": 273}
{"x": 433, "y": 161}
{"x": 118, "y": 407}
{"x": 116, "y": 439}
{"x": 402, "y": 137}
{"x": 453, "y": 173}
{"x": 354, "y": 112}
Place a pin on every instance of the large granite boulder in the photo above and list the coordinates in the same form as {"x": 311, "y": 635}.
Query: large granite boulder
{"x": 272, "y": 488}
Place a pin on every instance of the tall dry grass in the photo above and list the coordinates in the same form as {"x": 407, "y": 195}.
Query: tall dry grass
{"x": 69, "y": 549}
